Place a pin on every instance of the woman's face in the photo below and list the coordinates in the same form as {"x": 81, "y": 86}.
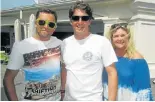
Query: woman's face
{"x": 120, "y": 39}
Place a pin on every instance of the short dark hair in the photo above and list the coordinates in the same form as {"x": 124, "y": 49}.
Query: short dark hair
{"x": 49, "y": 11}
{"x": 83, "y": 6}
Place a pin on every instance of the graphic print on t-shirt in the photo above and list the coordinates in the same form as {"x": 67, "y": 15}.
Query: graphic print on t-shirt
{"x": 42, "y": 73}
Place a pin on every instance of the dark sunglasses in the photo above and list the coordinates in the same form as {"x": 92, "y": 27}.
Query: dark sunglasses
{"x": 118, "y": 25}
{"x": 44, "y": 22}
{"x": 83, "y": 18}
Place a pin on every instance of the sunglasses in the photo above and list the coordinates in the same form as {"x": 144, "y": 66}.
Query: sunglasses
{"x": 83, "y": 18}
{"x": 119, "y": 25}
{"x": 44, "y": 22}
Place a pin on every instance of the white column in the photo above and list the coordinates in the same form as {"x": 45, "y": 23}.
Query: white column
{"x": 144, "y": 30}
{"x": 25, "y": 30}
{"x": 17, "y": 29}
{"x": 31, "y": 28}
{"x": 108, "y": 22}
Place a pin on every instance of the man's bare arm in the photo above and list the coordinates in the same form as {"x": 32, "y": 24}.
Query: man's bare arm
{"x": 9, "y": 85}
{"x": 112, "y": 82}
{"x": 63, "y": 80}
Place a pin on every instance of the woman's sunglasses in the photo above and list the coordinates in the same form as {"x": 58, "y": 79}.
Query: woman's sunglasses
{"x": 83, "y": 18}
{"x": 44, "y": 22}
{"x": 118, "y": 25}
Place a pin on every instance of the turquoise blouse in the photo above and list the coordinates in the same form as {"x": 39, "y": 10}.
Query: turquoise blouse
{"x": 133, "y": 80}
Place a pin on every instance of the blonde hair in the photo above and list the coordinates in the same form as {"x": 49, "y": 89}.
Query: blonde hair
{"x": 130, "y": 49}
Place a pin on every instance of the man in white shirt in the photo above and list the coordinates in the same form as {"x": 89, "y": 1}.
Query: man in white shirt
{"x": 84, "y": 57}
{"x": 39, "y": 58}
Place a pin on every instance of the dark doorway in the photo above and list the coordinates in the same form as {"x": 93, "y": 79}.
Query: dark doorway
{"x": 62, "y": 35}
{"x": 5, "y": 42}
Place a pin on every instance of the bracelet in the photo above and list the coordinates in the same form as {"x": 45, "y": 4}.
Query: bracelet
{"x": 62, "y": 91}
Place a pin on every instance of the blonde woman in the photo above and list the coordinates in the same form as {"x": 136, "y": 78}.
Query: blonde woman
{"x": 132, "y": 68}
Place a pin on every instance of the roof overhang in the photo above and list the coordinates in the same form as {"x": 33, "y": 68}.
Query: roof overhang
{"x": 57, "y": 5}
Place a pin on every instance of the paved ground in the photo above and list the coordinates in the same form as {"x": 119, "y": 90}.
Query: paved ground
{"x": 19, "y": 84}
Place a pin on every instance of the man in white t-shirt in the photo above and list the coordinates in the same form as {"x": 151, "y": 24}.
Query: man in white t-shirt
{"x": 84, "y": 57}
{"x": 39, "y": 58}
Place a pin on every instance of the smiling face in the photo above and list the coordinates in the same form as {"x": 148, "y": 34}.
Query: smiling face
{"x": 80, "y": 27}
{"x": 120, "y": 39}
{"x": 44, "y": 32}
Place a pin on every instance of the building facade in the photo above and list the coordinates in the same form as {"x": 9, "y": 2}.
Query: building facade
{"x": 140, "y": 14}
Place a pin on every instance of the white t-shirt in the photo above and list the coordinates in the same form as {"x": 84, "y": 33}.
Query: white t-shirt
{"x": 40, "y": 61}
{"x": 85, "y": 60}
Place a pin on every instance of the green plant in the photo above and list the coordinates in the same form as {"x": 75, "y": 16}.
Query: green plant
{"x": 4, "y": 57}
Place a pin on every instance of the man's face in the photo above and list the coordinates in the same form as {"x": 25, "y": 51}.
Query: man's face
{"x": 45, "y": 25}
{"x": 80, "y": 22}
